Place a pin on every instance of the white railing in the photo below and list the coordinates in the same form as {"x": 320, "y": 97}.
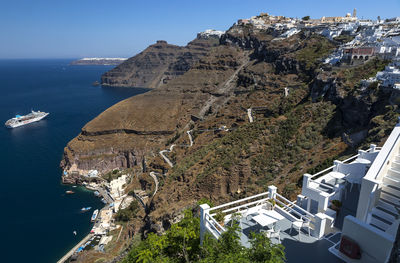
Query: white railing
{"x": 293, "y": 205}
{"x": 265, "y": 195}
{"x": 348, "y": 160}
{"x": 215, "y": 228}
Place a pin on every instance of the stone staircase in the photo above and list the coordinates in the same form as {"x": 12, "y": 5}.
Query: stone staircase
{"x": 387, "y": 209}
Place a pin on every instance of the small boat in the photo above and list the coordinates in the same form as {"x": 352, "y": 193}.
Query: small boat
{"x": 69, "y": 192}
{"x": 74, "y": 186}
{"x": 104, "y": 200}
{"x": 94, "y": 216}
{"x": 84, "y": 209}
{"x": 74, "y": 232}
{"x": 96, "y": 193}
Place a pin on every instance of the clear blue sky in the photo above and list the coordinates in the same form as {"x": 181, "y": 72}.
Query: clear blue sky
{"x": 72, "y": 28}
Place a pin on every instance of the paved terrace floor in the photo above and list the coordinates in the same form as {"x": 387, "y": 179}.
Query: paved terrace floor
{"x": 309, "y": 249}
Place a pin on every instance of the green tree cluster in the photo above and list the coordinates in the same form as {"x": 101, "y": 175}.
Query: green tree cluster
{"x": 181, "y": 243}
{"x": 126, "y": 214}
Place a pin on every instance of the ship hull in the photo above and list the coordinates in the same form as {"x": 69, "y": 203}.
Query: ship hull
{"x": 22, "y": 123}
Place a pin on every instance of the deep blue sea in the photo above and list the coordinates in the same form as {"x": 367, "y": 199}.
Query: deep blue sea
{"x": 37, "y": 218}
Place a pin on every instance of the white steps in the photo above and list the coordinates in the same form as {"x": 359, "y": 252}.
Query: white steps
{"x": 387, "y": 209}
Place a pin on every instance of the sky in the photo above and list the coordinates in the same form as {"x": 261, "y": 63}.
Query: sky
{"x": 119, "y": 28}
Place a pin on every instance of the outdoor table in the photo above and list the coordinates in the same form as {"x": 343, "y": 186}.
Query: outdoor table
{"x": 268, "y": 217}
{"x": 337, "y": 176}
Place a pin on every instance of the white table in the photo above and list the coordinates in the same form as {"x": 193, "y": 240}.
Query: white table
{"x": 268, "y": 217}
{"x": 336, "y": 176}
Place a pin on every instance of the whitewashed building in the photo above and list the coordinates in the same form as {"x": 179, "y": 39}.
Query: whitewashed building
{"x": 365, "y": 188}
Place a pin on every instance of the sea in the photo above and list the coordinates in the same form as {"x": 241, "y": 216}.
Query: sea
{"x": 37, "y": 218}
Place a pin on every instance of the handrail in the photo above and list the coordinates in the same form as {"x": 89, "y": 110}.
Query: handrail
{"x": 238, "y": 201}
{"x": 282, "y": 203}
{"x": 344, "y": 161}
{"x": 290, "y": 202}
{"x": 353, "y": 157}
{"x": 214, "y": 223}
{"x": 245, "y": 205}
{"x": 320, "y": 172}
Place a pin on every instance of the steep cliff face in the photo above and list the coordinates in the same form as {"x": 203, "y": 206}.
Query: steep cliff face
{"x": 141, "y": 124}
{"x": 158, "y": 64}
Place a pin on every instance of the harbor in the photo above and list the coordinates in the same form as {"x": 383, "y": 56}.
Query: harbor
{"x": 115, "y": 198}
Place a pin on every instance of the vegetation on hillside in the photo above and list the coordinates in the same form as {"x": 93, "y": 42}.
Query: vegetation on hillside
{"x": 181, "y": 243}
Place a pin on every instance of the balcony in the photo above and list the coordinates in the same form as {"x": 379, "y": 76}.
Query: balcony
{"x": 270, "y": 210}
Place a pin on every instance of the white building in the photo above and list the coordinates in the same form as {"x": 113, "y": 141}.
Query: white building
{"x": 389, "y": 76}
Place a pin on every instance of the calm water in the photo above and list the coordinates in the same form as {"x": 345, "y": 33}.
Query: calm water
{"x": 37, "y": 218}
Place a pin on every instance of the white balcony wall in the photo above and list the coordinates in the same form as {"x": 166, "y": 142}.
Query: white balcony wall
{"x": 375, "y": 245}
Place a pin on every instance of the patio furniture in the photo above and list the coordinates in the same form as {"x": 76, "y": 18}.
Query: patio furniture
{"x": 244, "y": 213}
{"x": 302, "y": 223}
{"x": 337, "y": 176}
{"x": 272, "y": 233}
{"x": 268, "y": 217}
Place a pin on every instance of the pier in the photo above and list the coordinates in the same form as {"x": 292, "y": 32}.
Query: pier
{"x": 71, "y": 252}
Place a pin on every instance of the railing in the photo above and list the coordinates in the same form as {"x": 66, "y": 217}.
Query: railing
{"x": 321, "y": 173}
{"x": 266, "y": 194}
{"x": 215, "y": 227}
{"x": 305, "y": 212}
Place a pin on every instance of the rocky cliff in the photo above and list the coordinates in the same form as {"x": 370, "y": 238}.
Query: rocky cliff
{"x": 159, "y": 63}
{"x": 324, "y": 114}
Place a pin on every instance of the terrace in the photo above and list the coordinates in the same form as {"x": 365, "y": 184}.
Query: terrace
{"x": 310, "y": 226}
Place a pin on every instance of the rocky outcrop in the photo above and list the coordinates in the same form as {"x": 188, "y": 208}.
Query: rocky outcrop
{"x": 158, "y": 64}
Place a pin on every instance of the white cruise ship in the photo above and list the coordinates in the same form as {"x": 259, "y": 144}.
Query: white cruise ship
{"x": 19, "y": 120}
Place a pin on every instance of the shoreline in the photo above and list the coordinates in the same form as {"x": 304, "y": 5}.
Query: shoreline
{"x": 104, "y": 222}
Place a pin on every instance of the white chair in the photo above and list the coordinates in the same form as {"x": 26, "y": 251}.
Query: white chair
{"x": 272, "y": 233}
{"x": 244, "y": 213}
{"x": 298, "y": 224}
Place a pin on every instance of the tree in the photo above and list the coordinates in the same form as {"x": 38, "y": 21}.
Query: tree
{"x": 181, "y": 243}
{"x": 305, "y": 18}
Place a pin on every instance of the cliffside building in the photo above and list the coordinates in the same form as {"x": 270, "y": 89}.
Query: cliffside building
{"x": 359, "y": 53}
{"x": 365, "y": 188}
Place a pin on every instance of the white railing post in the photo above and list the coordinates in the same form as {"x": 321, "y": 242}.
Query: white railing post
{"x": 203, "y": 212}
{"x": 272, "y": 191}
{"x": 306, "y": 180}
{"x": 323, "y": 202}
{"x": 336, "y": 164}
{"x": 319, "y": 225}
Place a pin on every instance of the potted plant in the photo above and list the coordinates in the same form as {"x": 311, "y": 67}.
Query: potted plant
{"x": 272, "y": 202}
{"x": 219, "y": 216}
{"x": 335, "y": 205}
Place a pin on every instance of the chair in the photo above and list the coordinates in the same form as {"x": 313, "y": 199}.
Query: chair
{"x": 298, "y": 224}
{"x": 272, "y": 233}
{"x": 244, "y": 213}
